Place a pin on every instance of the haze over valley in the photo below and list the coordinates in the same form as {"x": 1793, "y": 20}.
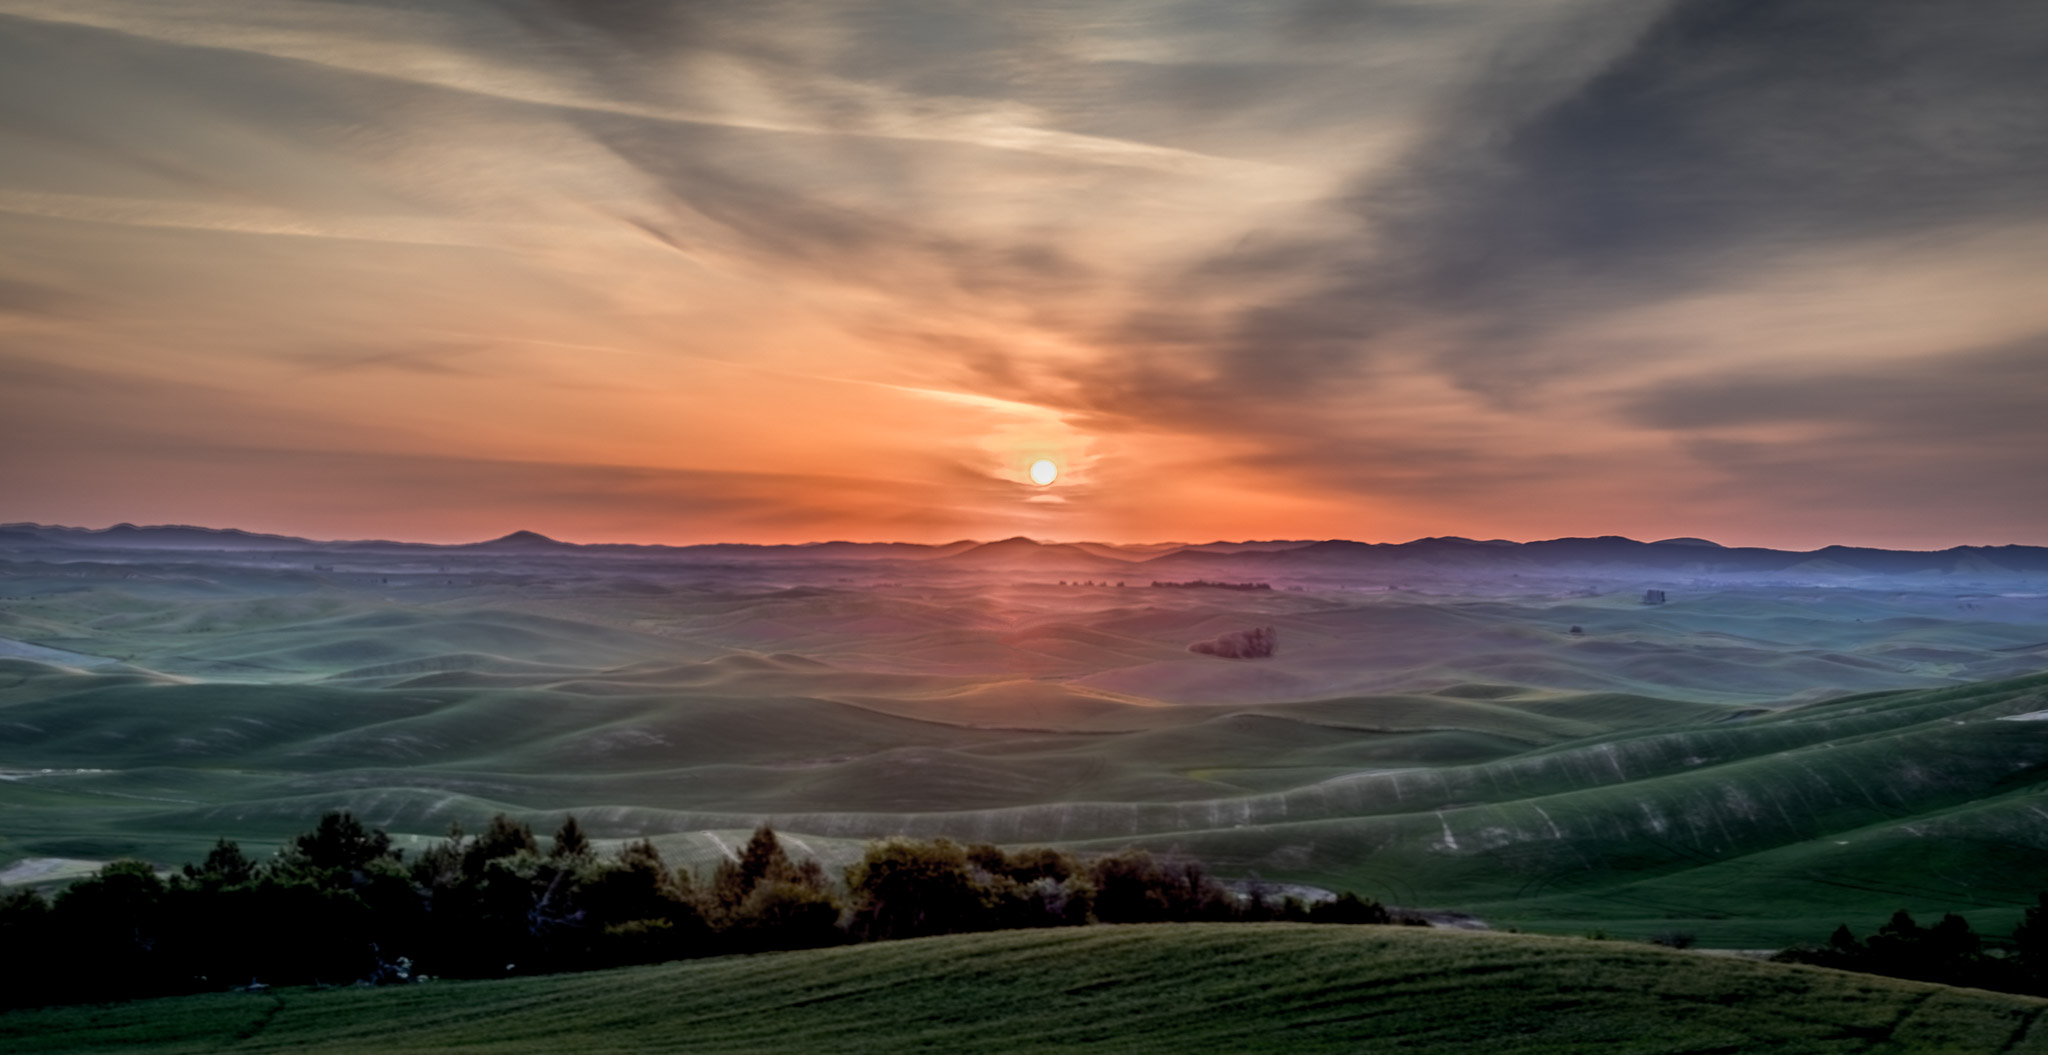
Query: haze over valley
{"x": 1505, "y": 731}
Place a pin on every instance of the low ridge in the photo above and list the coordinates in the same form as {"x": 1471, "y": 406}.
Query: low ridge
{"x": 1169, "y": 988}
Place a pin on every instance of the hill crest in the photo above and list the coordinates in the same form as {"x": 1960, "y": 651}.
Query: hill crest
{"x": 1684, "y": 554}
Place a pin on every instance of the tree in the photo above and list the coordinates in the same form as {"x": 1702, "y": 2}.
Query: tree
{"x": 1037, "y": 887}
{"x": 1132, "y": 887}
{"x": 787, "y": 912}
{"x": 29, "y": 941}
{"x": 111, "y": 923}
{"x": 734, "y": 880}
{"x": 2030, "y": 942}
{"x": 1953, "y": 940}
{"x": 297, "y": 929}
{"x": 634, "y": 884}
{"x": 765, "y": 900}
{"x": 636, "y": 908}
{"x": 1129, "y": 888}
{"x": 340, "y": 843}
{"x": 1349, "y": 908}
{"x": 570, "y": 840}
{"x": 904, "y": 888}
{"x": 225, "y": 865}
{"x": 1948, "y": 952}
{"x": 503, "y": 837}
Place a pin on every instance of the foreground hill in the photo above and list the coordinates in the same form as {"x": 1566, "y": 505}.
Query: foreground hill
{"x": 1188, "y": 988}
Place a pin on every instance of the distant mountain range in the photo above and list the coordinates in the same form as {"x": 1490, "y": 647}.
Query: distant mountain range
{"x": 1212, "y": 560}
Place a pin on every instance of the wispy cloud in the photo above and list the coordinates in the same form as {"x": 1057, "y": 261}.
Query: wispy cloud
{"x": 1367, "y": 267}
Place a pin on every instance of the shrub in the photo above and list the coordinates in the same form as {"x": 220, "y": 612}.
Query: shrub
{"x": 904, "y": 888}
{"x": 340, "y": 843}
{"x": 338, "y": 904}
{"x": 1348, "y": 907}
{"x": 1132, "y": 887}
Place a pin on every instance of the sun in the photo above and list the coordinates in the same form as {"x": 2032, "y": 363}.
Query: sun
{"x": 1044, "y": 472}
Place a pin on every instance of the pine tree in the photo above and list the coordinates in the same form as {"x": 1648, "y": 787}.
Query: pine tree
{"x": 570, "y": 840}
{"x": 761, "y": 859}
{"x": 503, "y": 837}
{"x": 2030, "y": 938}
{"x": 225, "y": 865}
{"x": 340, "y": 842}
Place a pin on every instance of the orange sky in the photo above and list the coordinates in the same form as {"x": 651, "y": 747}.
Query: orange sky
{"x": 786, "y": 272}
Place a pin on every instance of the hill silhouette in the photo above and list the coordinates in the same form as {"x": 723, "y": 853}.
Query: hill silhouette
{"x": 1022, "y": 552}
{"x": 1243, "y": 559}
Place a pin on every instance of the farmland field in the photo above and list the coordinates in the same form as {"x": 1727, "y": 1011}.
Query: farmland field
{"x": 1167, "y": 988}
{"x": 1753, "y": 762}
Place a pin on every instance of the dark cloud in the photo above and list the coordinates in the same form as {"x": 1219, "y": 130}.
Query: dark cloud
{"x": 1944, "y": 440}
{"x": 728, "y": 179}
{"x": 1724, "y": 138}
{"x": 1866, "y": 487}
{"x": 33, "y": 381}
{"x": 1726, "y": 134}
{"x": 1737, "y": 122}
{"x": 940, "y": 48}
{"x": 746, "y": 191}
{"x": 633, "y": 24}
{"x": 30, "y": 298}
{"x": 1309, "y": 23}
{"x": 1985, "y": 398}
{"x": 449, "y": 359}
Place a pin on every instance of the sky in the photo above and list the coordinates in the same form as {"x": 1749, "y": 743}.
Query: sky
{"x": 1770, "y": 272}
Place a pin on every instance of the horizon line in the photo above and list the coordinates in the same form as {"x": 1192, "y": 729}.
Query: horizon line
{"x": 539, "y": 537}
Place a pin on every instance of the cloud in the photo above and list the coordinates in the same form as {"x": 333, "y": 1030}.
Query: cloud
{"x": 1609, "y": 166}
{"x": 457, "y": 49}
{"x": 1722, "y": 137}
{"x": 1447, "y": 263}
{"x": 1728, "y": 134}
{"x": 35, "y": 299}
{"x": 368, "y": 493}
{"x": 1980, "y": 400}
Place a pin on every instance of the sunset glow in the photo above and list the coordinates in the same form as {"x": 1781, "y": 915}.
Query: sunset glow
{"x": 683, "y": 273}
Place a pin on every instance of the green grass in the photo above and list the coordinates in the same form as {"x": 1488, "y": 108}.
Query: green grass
{"x": 1432, "y": 752}
{"x": 1173, "y": 989}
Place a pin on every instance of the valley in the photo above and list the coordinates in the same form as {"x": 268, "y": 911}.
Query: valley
{"x": 1770, "y": 752}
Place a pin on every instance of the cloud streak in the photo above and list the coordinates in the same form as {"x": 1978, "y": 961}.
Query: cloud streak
{"x": 1380, "y": 268}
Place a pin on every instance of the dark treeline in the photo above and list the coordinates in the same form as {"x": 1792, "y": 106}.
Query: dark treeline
{"x": 1949, "y": 952}
{"x": 341, "y": 905}
{"x": 1204, "y": 584}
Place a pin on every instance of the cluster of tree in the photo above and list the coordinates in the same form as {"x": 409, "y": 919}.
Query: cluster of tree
{"x": 1949, "y": 952}
{"x": 1256, "y": 643}
{"x": 1204, "y": 583}
{"x": 340, "y": 904}
{"x": 905, "y": 888}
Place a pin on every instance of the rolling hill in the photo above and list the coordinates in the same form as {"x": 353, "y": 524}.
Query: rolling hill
{"x": 1752, "y": 763}
{"x": 1162, "y": 988}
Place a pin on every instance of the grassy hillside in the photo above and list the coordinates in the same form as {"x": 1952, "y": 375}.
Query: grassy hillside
{"x": 1175, "y": 989}
{"x": 1748, "y": 830}
{"x": 1693, "y": 766}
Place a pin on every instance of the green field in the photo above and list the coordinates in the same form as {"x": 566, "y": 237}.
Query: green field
{"x": 1750, "y": 764}
{"x": 1166, "y": 988}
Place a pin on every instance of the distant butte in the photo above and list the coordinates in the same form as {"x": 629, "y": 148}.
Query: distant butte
{"x": 522, "y": 540}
